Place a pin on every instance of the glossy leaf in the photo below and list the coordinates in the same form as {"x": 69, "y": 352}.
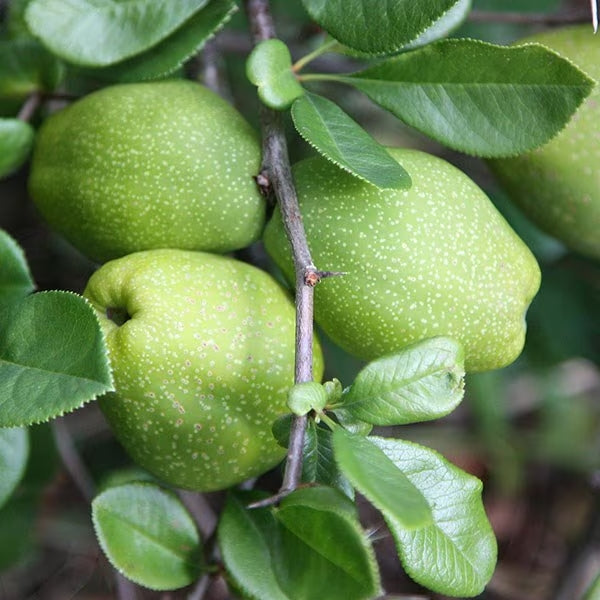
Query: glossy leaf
{"x": 318, "y": 463}
{"x": 14, "y": 451}
{"x": 423, "y": 381}
{"x": 94, "y": 34}
{"x": 312, "y": 548}
{"x": 148, "y": 535}
{"x": 52, "y": 358}
{"x": 269, "y": 67}
{"x": 340, "y": 139}
{"x": 15, "y": 278}
{"x": 16, "y": 141}
{"x": 455, "y": 554}
{"x": 26, "y": 67}
{"x": 376, "y": 26}
{"x": 170, "y": 54}
{"x": 377, "y": 478}
{"x": 307, "y": 396}
{"x": 445, "y": 25}
{"x": 323, "y": 551}
{"x": 476, "y": 97}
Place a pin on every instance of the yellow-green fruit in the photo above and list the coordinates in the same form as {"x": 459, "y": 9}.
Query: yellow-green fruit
{"x": 558, "y": 185}
{"x": 437, "y": 259}
{"x": 202, "y": 351}
{"x": 149, "y": 165}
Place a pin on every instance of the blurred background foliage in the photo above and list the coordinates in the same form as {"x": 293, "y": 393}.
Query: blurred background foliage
{"x": 531, "y": 431}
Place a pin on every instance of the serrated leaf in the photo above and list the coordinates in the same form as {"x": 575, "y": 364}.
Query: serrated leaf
{"x": 476, "y": 97}
{"x": 307, "y": 396}
{"x": 148, "y": 535}
{"x": 269, "y": 67}
{"x": 376, "y": 27}
{"x": 351, "y": 423}
{"x": 322, "y": 550}
{"x": 52, "y": 358}
{"x": 88, "y": 33}
{"x": 244, "y": 537}
{"x": 170, "y": 54}
{"x": 14, "y": 451}
{"x": 377, "y": 478}
{"x": 340, "y": 139}
{"x": 313, "y": 549}
{"x": 318, "y": 463}
{"x": 16, "y": 141}
{"x": 15, "y": 279}
{"x": 456, "y": 553}
{"x": 424, "y": 381}
{"x": 447, "y": 23}
{"x": 27, "y": 67}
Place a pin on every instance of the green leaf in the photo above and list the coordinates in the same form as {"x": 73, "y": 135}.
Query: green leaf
{"x": 322, "y": 550}
{"x": 456, "y": 553}
{"x": 307, "y": 396}
{"x": 349, "y": 422}
{"x": 269, "y": 67}
{"x": 15, "y": 278}
{"x": 244, "y": 537}
{"x": 312, "y": 548}
{"x": 476, "y": 97}
{"x": 377, "y": 478}
{"x": 148, "y": 535}
{"x": 94, "y": 34}
{"x": 16, "y": 141}
{"x": 27, "y": 67}
{"x": 424, "y": 381}
{"x": 170, "y": 54}
{"x": 376, "y": 26}
{"x": 340, "y": 139}
{"x": 52, "y": 358}
{"x": 14, "y": 451}
{"x": 318, "y": 463}
{"x": 447, "y": 23}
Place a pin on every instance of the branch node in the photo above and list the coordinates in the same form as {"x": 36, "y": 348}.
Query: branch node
{"x": 264, "y": 183}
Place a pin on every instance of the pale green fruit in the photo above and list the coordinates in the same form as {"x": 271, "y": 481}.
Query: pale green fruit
{"x": 203, "y": 360}
{"x": 149, "y": 165}
{"x": 558, "y": 185}
{"x": 437, "y": 259}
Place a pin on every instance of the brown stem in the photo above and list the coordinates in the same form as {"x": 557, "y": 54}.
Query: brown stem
{"x": 29, "y": 107}
{"x": 126, "y": 589}
{"x": 276, "y": 175}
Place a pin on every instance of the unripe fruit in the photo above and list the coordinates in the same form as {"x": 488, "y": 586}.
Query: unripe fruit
{"x": 558, "y": 185}
{"x": 202, "y": 351}
{"x": 437, "y": 259}
{"x": 149, "y": 165}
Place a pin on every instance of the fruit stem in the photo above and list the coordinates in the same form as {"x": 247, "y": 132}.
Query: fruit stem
{"x": 276, "y": 171}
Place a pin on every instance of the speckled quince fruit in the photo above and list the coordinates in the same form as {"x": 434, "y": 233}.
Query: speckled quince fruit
{"x": 149, "y": 165}
{"x": 437, "y": 259}
{"x": 558, "y": 185}
{"x": 202, "y": 351}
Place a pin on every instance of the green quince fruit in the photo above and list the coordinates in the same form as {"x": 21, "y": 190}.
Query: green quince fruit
{"x": 149, "y": 165}
{"x": 437, "y": 259}
{"x": 202, "y": 351}
{"x": 558, "y": 185}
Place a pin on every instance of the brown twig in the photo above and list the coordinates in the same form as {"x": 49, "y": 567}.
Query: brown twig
{"x": 126, "y": 590}
{"x": 30, "y": 107}
{"x": 276, "y": 174}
